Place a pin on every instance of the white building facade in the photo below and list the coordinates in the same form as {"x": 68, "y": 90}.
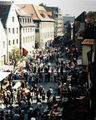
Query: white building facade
{"x": 28, "y": 38}
{"x": 3, "y": 45}
{"x": 13, "y": 31}
{"x": 20, "y": 32}
{"x": 46, "y": 27}
{"x": 27, "y": 31}
{"x": 44, "y": 30}
{"x": 46, "y": 33}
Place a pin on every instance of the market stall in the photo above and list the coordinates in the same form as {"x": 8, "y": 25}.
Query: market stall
{"x": 3, "y": 75}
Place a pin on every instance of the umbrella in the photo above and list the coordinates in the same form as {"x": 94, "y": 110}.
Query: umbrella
{"x": 33, "y": 118}
{"x": 17, "y": 85}
{"x": 24, "y": 70}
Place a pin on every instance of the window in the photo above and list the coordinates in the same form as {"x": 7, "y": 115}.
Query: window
{"x": 13, "y": 42}
{"x": 16, "y": 30}
{"x": 17, "y": 41}
{"x": 28, "y": 20}
{"x": 33, "y": 30}
{"x": 20, "y": 19}
{"x": 43, "y": 15}
{"x": 26, "y": 29}
{"x": 31, "y": 38}
{"x": 23, "y": 20}
{"x": 12, "y": 19}
{"x": 26, "y": 39}
{"x": 13, "y": 30}
{"x": 9, "y": 30}
{"x": 37, "y": 25}
{"x": 30, "y": 29}
{"x": 9, "y": 42}
{"x": 3, "y": 44}
{"x": 23, "y": 40}
{"x": 23, "y": 30}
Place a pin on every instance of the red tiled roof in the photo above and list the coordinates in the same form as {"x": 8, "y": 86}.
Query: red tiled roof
{"x": 37, "y": 11}
{"x": 49, "y": 13}
{"x": 29, "y": 9}
{"x": 88, "y": 42}
{"x": 41, "y": 11}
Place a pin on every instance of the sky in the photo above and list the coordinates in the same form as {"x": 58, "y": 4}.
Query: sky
{"x": 72, "y": 7}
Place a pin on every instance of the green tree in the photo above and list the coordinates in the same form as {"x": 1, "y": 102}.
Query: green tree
{"x": 15, "y": 56}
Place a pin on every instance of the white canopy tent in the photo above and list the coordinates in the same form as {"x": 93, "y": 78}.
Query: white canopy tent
{"x": 6, "y": 67}
{"x": 3, "y": 75}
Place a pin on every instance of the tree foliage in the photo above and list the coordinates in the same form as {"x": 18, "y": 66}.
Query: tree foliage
{"x": 15, "y": 55}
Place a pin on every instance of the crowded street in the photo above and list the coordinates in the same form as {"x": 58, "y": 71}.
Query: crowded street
{"x": 47, "y": 60}
{"x": 51, "y": 85}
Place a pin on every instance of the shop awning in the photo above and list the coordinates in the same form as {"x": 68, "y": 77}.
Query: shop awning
{"x": 3, "y": 75}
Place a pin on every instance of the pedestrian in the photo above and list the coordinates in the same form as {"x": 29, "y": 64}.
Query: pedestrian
{"x": 19, "y": 98}
{"x": 32, "y": 91}
{"x": 48, "y": 76}
{"x": 48, "y": 94}
{"x": 22, "y": 84}
{"x": 6, "y": 101}
{"x": 51, "y": 91}
{"x": 37, "y": 98}
{"x": 54, "y": 98}
{"x": 40, "y": 90}
{"x": 29, "y": 98}
{"x": 43, "y": 96}
{"x": 9, "y": 96}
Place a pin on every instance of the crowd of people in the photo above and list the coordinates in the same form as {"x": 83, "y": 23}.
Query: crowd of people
{"x": 54, "y": 64}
